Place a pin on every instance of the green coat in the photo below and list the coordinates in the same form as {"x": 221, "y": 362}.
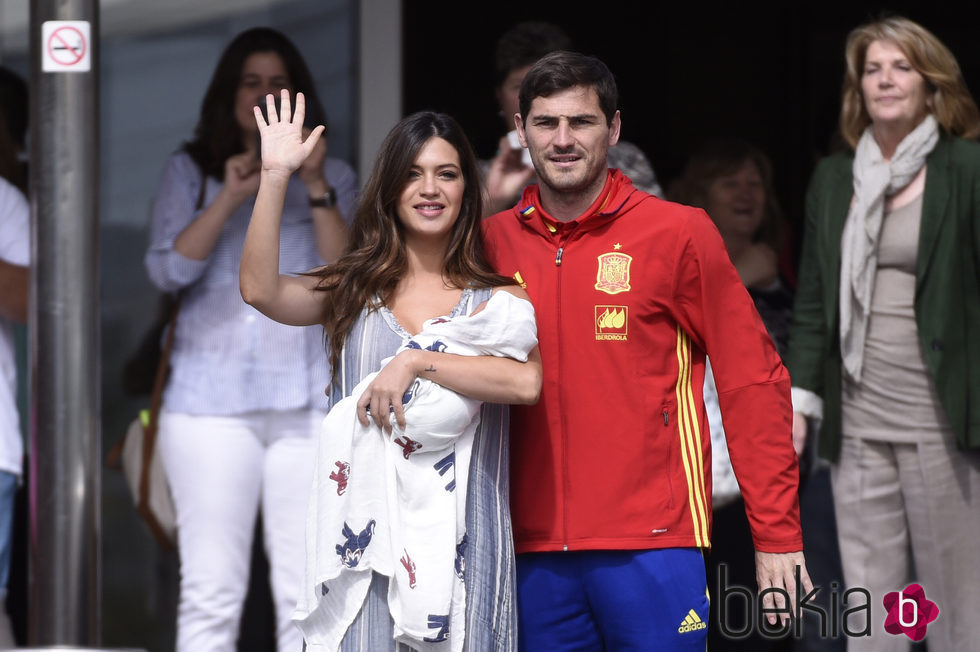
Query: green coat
{"x": 947, "y": 289}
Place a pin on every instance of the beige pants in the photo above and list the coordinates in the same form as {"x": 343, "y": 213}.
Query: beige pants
{"x": 891, "y": 499}
{"x": 6, "y": 630}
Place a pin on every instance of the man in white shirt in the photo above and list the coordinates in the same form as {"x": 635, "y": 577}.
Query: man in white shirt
{"x": 14, "y": 260}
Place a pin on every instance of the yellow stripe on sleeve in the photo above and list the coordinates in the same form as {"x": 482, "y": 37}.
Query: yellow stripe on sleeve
{"x": 690, "y": 440}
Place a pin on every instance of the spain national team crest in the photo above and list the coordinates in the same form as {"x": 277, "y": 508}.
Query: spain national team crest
{"x": 613, "y": 275}
{"x": 611, "y": 323}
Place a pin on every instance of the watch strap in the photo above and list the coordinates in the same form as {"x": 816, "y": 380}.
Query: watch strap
{"x": 328, "y": 200}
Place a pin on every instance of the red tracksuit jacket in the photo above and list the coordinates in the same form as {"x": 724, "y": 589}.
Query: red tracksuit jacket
{"x": 629, "y": 298}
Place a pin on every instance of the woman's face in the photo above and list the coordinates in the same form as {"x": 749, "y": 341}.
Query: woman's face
{"x": 737, "y": 202}
{"x": 262, "y": 73}
{"x": 433, "y": 193}
{"x": 895, "y": 94}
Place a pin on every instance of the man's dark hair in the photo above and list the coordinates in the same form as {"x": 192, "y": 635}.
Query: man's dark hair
{"x": 526, "y": 42}
{"x": 562, "y": 70}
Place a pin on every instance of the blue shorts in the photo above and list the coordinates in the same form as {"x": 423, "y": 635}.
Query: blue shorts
{"x": 613, "y": 600}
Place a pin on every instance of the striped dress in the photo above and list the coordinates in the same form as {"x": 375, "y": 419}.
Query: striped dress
{"x": 491, "y": 617}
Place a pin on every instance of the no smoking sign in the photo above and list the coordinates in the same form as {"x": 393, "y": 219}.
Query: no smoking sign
{"x": 67, "y": 46}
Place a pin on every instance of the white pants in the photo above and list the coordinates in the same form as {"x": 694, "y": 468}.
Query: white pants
{"x": 221, "y": 468}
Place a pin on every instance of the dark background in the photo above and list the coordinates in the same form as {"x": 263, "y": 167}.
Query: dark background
{"x": 687, "y": 71}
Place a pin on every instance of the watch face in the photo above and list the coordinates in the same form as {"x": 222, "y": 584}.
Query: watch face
{"x": 328, "y": 200}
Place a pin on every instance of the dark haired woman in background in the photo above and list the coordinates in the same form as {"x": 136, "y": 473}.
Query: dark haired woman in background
{"x": 732, "y": 180}
{"x": 244, "y": 399}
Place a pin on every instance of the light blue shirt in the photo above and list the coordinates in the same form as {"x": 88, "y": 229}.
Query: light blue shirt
{"x": 227, "y": 357}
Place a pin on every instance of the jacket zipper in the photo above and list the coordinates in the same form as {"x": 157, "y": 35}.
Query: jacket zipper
{"x": 670, "y": 482}
{"x": 561, "y": 348}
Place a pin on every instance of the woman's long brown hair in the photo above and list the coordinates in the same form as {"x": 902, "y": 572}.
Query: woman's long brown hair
{"x": 374, "y": 261}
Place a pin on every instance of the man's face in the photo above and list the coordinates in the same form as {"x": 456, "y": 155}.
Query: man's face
{"x": 568, "y": 138}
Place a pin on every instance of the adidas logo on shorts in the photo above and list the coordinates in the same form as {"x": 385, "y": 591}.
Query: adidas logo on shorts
{"x": 692, "y": 623}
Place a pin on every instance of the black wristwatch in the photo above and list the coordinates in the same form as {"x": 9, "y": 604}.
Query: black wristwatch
{"x": 328, "y": 200}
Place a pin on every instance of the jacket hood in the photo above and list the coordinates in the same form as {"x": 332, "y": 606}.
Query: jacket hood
{"x": 617, "y": 196}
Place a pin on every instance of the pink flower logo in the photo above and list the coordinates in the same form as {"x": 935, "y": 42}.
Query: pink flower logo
{"x": 909, "y": 612}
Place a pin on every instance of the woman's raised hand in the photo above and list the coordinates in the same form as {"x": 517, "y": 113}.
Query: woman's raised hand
{"x": 283, "y": 146}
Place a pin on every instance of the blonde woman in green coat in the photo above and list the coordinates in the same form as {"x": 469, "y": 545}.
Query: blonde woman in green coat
{"x": 885, "y": 344}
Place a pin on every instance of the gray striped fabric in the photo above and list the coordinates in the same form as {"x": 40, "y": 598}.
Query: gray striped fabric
{"x": 491, "y": 615}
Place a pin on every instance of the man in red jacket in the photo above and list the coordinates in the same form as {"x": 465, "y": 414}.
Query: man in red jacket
{"x": 611, "y": 469}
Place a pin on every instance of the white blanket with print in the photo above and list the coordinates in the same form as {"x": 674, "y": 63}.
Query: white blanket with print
{"x": 397, "y": 504}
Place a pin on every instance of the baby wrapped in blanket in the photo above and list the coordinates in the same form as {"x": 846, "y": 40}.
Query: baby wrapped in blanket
{"x": 396, "y": 504}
